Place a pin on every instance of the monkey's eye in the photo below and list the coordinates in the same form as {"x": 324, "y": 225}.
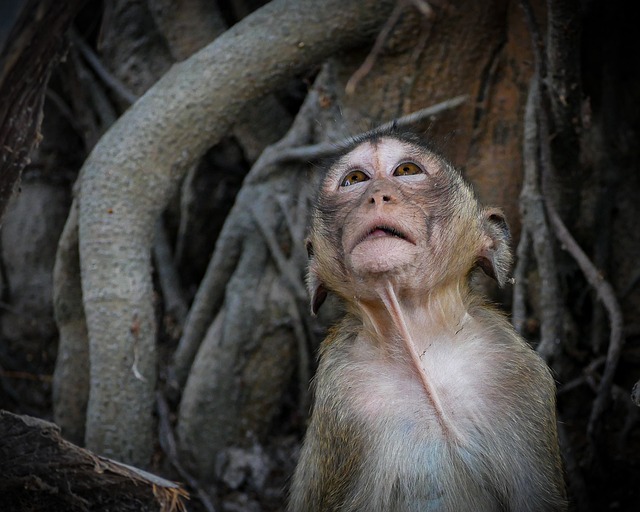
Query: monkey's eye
{"x": 407, "y": 169}
{"x": 354, "y": 177}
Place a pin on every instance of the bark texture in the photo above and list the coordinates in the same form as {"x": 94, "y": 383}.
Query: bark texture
{"x": 43, "y": 472}
{"x": 133, "y": 171}
{"x": 29, "y": 50}
{"x": 71, "y": 375}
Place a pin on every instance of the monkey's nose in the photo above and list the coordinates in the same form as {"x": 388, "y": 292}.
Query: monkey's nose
{"x": 379, "y": 196}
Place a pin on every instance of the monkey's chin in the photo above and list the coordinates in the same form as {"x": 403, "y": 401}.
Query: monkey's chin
{"x": 382, "y": 255}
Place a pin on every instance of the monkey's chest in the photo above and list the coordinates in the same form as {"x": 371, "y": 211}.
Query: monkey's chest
{"x": 402, "y": 445}
{"x": 409, "y": 451}
{"x": 450, "y": 396}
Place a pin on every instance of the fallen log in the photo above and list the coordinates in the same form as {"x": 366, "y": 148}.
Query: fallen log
{"x": 42, "y": 472}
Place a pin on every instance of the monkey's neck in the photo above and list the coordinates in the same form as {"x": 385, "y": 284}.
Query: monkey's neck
{"x": 398, "y": 325}
{"x": 439, "y": 312}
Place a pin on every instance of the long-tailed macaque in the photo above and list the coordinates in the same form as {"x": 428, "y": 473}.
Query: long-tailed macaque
{"x": 426, "y": 399}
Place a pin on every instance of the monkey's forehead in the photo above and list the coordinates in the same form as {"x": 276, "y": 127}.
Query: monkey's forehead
{"x": 383, "y": 153}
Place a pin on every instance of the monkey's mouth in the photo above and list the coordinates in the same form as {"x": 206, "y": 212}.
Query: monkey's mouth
{"x": 380, "y": 228}
{"x": 379, "y": 231}
{"x": 382, "y": 231}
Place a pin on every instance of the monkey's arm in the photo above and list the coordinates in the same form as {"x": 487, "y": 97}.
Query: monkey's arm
{"x": 540, "y": 483}
{"x": 537, "y": 480}
{"x": 331, "y": 451}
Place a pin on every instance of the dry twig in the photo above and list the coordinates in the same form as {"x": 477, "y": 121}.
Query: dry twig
{"x": 315, "y": 152}
{"x": 175, "y": 304}
{"x": 368, "y": 63}
{"x": 105, "y": 75}
{"x": 607, "y": 296}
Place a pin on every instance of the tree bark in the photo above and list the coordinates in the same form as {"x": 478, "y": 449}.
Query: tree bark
{"x": 244, "y": 364}
{"x": 134, "y": 170}
{"x": 28, "y": 53}
{"x": 42, "y": 472}
{"x": 71, "y": 375}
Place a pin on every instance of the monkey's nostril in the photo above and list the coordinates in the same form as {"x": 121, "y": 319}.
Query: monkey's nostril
{"x": 379, "y": 198}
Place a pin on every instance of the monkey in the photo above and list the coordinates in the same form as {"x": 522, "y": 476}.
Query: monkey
{"x": 425, "y": 397}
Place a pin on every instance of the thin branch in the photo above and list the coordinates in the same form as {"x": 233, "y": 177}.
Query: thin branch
{"x": 174, "y": 302}
{"x": 369, "y": 62}
{"x": 314, "y": 152}
{"x": 579, "y": 491}
{"x": 304, "y": 357}
{"x": 537, "y": 42}
{"x": 582, "y": 379}
{"x": 229, "y": 245}
{"x": 296, "y": 224}
{"x": 96, "y": 64}
{"x": 94, "y": 110}
{"x": 187, "y": 199}
{"x": 296, "y": 229}
{"x": 519, "y": 309}
{"x": 607, "y": 296}
{"x": 64, "y": 110}
{"x": 209, "y": 297}
{"x": 285, "y": 269}
{"x": 298, "y": 304}
{"x": 423, "y": 6}
{"x": 420, "y": 115}
{"x": 365, "y": 68}
{"x": 169, "y": 447}
{"x": 536, "y": 223}
{"x": 563, "y": 78}
{"x": 635, "y": 393}
{"x": 594, "y": 277}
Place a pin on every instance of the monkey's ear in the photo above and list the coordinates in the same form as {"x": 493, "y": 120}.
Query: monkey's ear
{"x": 316, "y": 288}
{"x": 495, "y": 254}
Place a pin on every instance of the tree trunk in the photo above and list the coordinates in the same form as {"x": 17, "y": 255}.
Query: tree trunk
{"x": 133, "y": 171}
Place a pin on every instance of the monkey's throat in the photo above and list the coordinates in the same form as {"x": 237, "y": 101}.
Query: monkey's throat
{"x": 390, "y": 300}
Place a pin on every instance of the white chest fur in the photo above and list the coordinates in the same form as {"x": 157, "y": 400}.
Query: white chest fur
{"x": 413, "y": 449}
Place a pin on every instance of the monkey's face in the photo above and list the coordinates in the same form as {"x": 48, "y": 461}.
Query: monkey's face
{"x": 392, "y": 209}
